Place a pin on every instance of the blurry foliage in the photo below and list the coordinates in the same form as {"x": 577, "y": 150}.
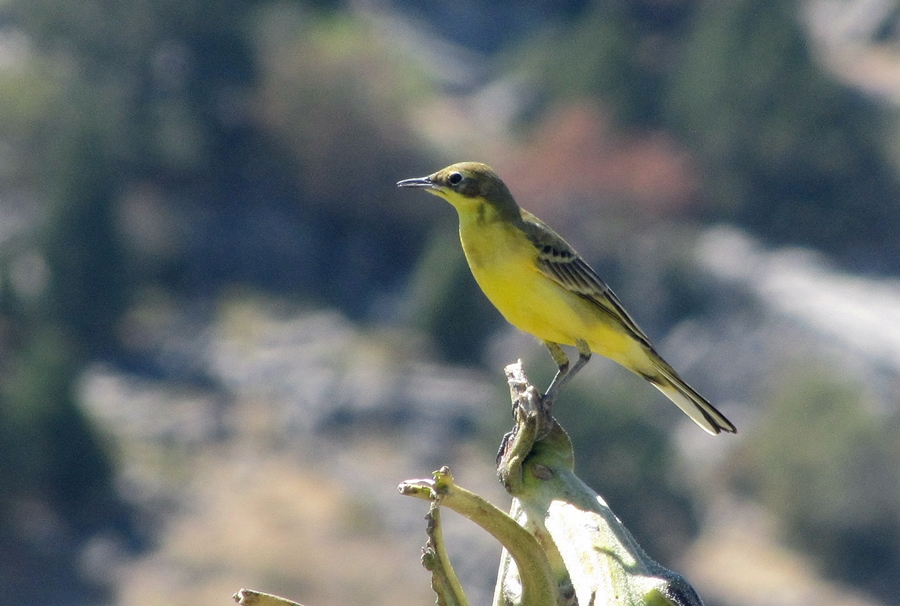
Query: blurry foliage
{"x": 787, "y": 151}
{"x": 152, "y": 70}
{"x": 59, "y": 296}
{"x": 333, "y": 94}
{"x": 827, "y": 465}
{"x": 620, "y": 51}
{"x": 101, "y": 101}
{"x": 474, "y": 23}
{"x": 445, "y": 302}
{"x": 51, "y": 455}
{"x": 336, "y": 93}
{"x": 89, "y": 281}
{"x": 57, "y": 478}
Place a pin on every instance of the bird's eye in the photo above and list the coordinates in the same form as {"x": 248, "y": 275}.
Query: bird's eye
{"x": 454, "y": 178}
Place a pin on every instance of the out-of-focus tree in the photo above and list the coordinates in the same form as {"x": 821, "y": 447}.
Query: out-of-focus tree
{"x": 828, "y": 466}
{"x": 57, "y": 476}
{"x": 95, "y": 99}
{"x": 333, "y": 93}
{"x": 621, "y": 53}
{"x": 787, "y": 151}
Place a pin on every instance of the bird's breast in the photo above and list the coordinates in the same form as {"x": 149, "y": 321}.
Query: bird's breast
{"x": 504, "y": 263}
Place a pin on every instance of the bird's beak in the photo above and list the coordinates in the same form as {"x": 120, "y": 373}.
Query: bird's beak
{"x": 418, "y": 182}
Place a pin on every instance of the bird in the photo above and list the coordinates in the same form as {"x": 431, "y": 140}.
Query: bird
{"x": 543, "y": 287}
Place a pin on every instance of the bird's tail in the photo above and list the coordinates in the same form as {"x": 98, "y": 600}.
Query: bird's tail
{"x": 687, "y": 399}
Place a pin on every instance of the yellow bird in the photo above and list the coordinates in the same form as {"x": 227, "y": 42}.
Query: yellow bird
{"x": 543, "y": 287}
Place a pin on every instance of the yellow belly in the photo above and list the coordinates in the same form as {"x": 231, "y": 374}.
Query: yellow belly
{"x": 503, "y": 264}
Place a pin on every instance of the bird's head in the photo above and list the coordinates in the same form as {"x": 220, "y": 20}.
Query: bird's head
{"x": 467, "y": 186}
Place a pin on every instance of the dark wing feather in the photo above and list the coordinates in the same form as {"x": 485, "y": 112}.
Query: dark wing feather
{"x": 559, "y": 262}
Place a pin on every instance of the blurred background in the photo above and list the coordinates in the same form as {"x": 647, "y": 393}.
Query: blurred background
{"x": 225, "y": 336}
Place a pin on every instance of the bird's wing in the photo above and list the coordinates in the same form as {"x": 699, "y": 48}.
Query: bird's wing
{"x": 558, "y": 261}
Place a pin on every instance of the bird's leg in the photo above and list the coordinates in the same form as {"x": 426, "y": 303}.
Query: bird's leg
{"x": 584, "y": 356}
{"x": 564, "y": 374}
{"x": 562, "y": 363}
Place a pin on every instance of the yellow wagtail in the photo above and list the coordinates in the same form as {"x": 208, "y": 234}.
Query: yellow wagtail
{"x": 543, "y": 287}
